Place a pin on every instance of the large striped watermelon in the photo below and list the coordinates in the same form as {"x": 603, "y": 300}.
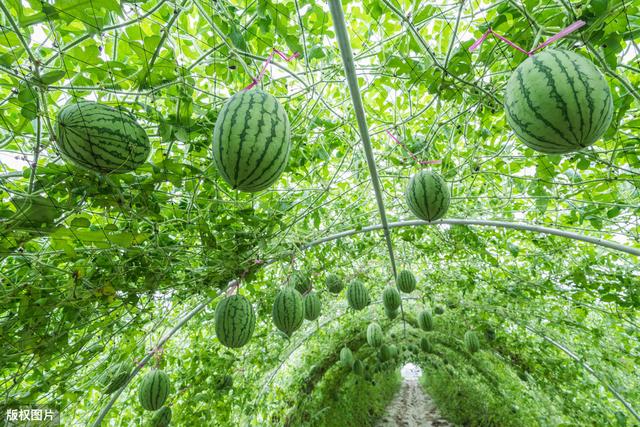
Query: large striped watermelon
{"x": 161, "y": 418}
{"x": 235, "y": 321}
{"x": 251, "y": 140}
{"x": 153, "y": 390}
{"x": 428, "y": 196}
{"x": 391, "y": 298}
{"x": 471, "y": 341}
{"x": 557, "y": 101}
{"x": 374, "y": 335}
{"x": 312, "y": 306}
{"x": 406, "y": 281}
{"x": 101, "y": 138}
{"x": 357, "y": 295}
{"x": 288, "y": 310}
{"x": 334, "y": 283}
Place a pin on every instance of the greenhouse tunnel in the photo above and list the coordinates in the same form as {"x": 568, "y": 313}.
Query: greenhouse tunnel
{"x": 301, "y": 213}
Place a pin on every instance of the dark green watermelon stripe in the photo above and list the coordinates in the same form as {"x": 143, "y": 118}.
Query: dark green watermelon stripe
{"x": 260, "y": 180}
{"x": 97, "y": 153}
{"x": 574, "y": 91}
{"x": 243, "y": 133}
{"x": 231, "y": 108}
{"x": 555, "y": 94}
{"x": 527, "y": 97}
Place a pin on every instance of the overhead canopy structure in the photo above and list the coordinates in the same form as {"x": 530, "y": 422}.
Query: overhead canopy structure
{"x": 538, "y": 254}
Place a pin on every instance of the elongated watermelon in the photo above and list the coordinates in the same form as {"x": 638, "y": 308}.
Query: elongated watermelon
{"x": 235, "y": 321}
{"x": 288, "y": 310}
{"x": 406, "y": 281}
{"x": 391, "y": 314}
{"x": 101, "y": 138}
{"x": 301, "y": 281}
{"x": 425, "y": 345}
{"x": 357, "y": 295}
{"x": 391, "y": 298}
{"x": 251, "y": 140}
{"x": 154, "y": 389}
{"x": 428, "y": 196}
{"x": 374, "y": 335}
{"x": 425, "y": 320}
{"x": 312, "y": 306}
{"x": 385, "y": 353}
{"x": 557, "y": 101}
{"x": 346, "y": 357}
{"x": 358, "y": 367}
{"x": 115, "y": 377}
{"x": 161, "y": 418}
{"x": 471, "y": 341}
{"x": 334, "y": 283}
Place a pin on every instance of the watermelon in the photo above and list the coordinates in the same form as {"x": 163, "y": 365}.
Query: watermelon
{"x": 251, "y": 140}
{"x": 154, "y": 389}
{"x": 161, "y": 418}
{"x": 358, "y": 367}
{"x": 391, "y": 298}
{"x": 374, "y": 335}
{"x": 301, "y": 281}
{"x": 312, "y": 306}
{"x": 223, "y": 382}
{"x": 101, "y": 138}
{"x": 288, "y": 311}
{"x": 391, "y": 314}
{"x": 393, "y": 350}
{"x": 439, "y": 309}
{"x": 357, "y": 295}
{"x": 471, "y": 342}
{"x": 406, "y": 281}
{"x": 334, "y": 283}
{"x": 425, "y": 345}
{"x": 116, "y": 376}
{"x": 235, "y": 321}
{"x": 425, "y": 320}
{"x": 346, "y": 357}
{"x": 557, "y": 102}
{"x": 428, "y": 196}
{"x": 385, "y": 353}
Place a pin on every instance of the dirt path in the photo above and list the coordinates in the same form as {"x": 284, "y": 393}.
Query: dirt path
{"x": 412, "y": 408}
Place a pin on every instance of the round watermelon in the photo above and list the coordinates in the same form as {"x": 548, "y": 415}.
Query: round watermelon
{"x": 357, "y": 295}
{"x": 235, "y": 321}
{"x": 251, "y": 140}
{"x": 101, "y": 138}
{"x": 428, "y": 196}
{"x": 334, "y": 283}
{"x": 406, "y": 281}
{"x": 161, "y": 418}
{"x": 391, "y": 298}
{"x": 374, "y": 335}
{"x": 154, "y": 389}
{"x": 557, "y": 102}
{"x": 288, "y": 310}
{"x": 312, "y": 306}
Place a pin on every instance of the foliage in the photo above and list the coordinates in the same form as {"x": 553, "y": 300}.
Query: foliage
{"x": 96, "y": 268}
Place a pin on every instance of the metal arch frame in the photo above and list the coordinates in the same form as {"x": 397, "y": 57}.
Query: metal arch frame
{"x": 485, "y": 223}
{"x": 490, "y": 223}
